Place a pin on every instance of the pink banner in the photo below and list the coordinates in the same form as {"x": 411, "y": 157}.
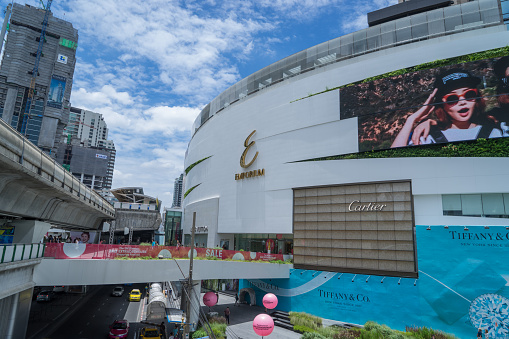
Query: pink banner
{"x": 100, "y": 251}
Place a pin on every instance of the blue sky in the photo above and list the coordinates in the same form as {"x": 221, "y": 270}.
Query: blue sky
{"x": 150, "y": 66}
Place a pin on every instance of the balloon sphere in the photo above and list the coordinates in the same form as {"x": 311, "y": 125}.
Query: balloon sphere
{"x": 270, "y": 301}
{"x": 210, "y": 299}
{"x": 263, "y": 324}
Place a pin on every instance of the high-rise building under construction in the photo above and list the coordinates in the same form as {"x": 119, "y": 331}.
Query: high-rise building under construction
{"x": 87, "y": 131}
{"x": 49, "y": 111}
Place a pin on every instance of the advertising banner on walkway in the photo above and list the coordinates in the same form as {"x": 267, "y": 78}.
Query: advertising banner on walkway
{"x": 462, "y": 286}
{"x": 101, "y": 251}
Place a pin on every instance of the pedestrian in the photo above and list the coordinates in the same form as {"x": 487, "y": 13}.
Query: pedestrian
{"x": 163, "y": 329}
{"x": 227, "y": 315}
{"x": 479, "y": 333}
{"x": 236, "y": 299}
{"x": 217, "y": 296}
{"x": 486, "y": 334}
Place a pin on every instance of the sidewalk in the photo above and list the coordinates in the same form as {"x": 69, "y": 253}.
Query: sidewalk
{"x": 241, "y": 319}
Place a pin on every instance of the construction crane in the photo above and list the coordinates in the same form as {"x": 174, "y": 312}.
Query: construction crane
{"x": 31, "y": 89}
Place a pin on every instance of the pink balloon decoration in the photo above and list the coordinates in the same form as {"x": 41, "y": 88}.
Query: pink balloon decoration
{"x": 270, "y": 301}
{"x": 210, "y": 299}
{"x": 263, "y": 324}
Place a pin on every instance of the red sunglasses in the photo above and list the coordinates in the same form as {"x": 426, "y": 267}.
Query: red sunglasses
{"x": 453, "y": 99}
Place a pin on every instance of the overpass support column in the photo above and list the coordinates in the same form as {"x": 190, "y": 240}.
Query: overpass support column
{"x": 14, "y": 314}
{"x": 29, "y": 231}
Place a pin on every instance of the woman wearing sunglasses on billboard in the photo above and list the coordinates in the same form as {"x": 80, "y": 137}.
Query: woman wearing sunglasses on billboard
{"x": 459, "y": 108}
{"x": 501, "y": 113}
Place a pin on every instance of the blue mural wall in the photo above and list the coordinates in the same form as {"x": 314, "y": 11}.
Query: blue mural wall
{"x": 462, "y": 285}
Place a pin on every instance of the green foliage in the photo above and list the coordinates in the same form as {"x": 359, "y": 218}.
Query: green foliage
{"x": 190, "y": 190}
{"x": 190, "y": 167}
{"x": 495, "y": 147}
{"x": 303, "y": 329}
{"x": 371, "y": 330}
{"x": 306, "y": 320}
{"x": 200, "y": 333}
{"x": 426, "y": 333}
{"x": 218, "y": 328}
{"x": 145, "y": 244}
{"x": 492, "y": 53}
{"x": 313, "y": 335}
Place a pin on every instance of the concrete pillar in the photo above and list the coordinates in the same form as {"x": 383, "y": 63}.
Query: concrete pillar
{"x": 12, "y": 317}
{"x": 10, "y": 102}
{"x": 29, "y": 231}
{"x": 14, "y": 314}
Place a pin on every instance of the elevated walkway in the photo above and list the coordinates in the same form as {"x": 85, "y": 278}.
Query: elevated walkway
{"x": 51, "y": 272}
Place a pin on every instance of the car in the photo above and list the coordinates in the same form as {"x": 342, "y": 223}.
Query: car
{"x": 150, "y": 333}
{"x": 118, "y": 291}
{"x": 46, "y": 295}
{"x": 119, "y": 329}
{"x": 135, "y": 295}
{"x": 59, "y": 289}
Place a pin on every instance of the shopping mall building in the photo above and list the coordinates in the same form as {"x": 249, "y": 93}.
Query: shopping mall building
{"x": 308, "y": 157}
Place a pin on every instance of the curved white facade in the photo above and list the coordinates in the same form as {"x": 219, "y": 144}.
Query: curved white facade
{"x": 289, "y": 130}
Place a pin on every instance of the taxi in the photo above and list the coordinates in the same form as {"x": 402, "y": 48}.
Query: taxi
{"x": 150, "y": 333}
{"x": 135, "y": 295}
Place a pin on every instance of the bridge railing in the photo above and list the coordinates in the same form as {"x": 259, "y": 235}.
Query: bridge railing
{"x": 103, "y": 251}
{"x": 18, "y": 252}
{"x": 17, "y": 148}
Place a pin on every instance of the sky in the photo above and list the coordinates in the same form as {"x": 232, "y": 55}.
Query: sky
{"x": 150, "y": 66}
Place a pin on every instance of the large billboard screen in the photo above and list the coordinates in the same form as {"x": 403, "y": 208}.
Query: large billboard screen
{"x": 56, "y": 91}
{"x": 452, "y": 103}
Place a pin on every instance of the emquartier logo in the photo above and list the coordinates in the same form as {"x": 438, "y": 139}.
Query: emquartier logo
{"x": 253, "y": 173}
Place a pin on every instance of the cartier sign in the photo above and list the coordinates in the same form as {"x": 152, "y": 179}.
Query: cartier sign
{"x": 357, "y": 206}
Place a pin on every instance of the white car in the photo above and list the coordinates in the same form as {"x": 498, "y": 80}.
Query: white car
{"x": 118, "y": 291}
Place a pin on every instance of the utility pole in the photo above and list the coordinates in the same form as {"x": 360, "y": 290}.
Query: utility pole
{"x": 190, "y": 281}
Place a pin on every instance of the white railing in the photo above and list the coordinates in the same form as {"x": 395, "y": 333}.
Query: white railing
{"x": 18, "y": 252}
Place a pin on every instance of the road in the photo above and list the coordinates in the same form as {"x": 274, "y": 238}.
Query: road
{"x": 92, "y": 319}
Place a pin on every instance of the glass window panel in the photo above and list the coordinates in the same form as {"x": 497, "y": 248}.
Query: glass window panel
{"x": 388, "y": 27}
{"x": 452, "y": 11}
{"x": 471, "y": 205}
{"x": 505, "y": 7}
{"x": 334, "y": 46}
{"x": 373, "y": 31}
{"x": 420, "y": 31}
{"x": 346, "y": 50}
{"x": 404, "y": 34}
{"x": 359, "y": 46}
{"x": 373, "y": 42}
{"x": 471, "y": 18}
{"x": 487, "y": 4}
{"x": 493, "y": 204}
{"x": 436, "y": 14}
{"x": 402, "y": 23}
{"x": 470, "y": 7}
{"x": 490, "y": 16}
{"x": 388, "y": 38}
{"x": 451, "y": 202}
{"x": 322, "y": 49}
{"x": 436, "y": 27}
{"x": 452, "y": 23}
{"x": 506, "y": 203}
{"x": 419, "y": 19}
